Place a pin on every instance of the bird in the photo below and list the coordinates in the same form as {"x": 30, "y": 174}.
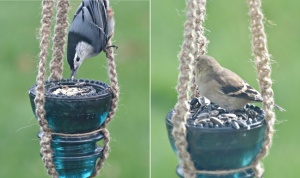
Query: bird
{"x": 91, "y": 28}
{"x": 222, "y": 86}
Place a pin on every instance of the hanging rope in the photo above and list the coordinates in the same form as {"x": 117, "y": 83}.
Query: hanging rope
{"x": 115, "y": 89}
{"x": 200, "y": 42}
{"x": 262, "y": 61}
{"x": 59, "y": 40}
{"x": 44, "y": 34}
{"x": 56, "y": 69}
{"x": 194, "y": 45}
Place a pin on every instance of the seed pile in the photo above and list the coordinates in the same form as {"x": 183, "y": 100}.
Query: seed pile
{"x": 203, "y": 113}
{"x": 74, "y": 90}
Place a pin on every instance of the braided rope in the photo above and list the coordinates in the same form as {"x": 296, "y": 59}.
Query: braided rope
{"x": 198, "y": 14}
{"x": 115, "y": 89}
{"x": 59, "y": 40}
{"x": 39, "y": 100}
{"x": 56, "y": 68}
{"x": 262, "y": 61}
{"x": 78, "y": 134}
{"x": 225, "y": 172}
{"x": 194, "y": 44}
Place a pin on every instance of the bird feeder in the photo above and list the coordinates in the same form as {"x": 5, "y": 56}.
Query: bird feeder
{"x": 222, "y": 144}
{"x": 209, "y": 141}
{"x": 80, "y": 112}
{"x": 72, "y": 113}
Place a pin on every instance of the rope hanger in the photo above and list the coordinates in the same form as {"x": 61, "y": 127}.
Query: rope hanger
{"x": 194, "y": 45}
{"x": 56, "y": 69}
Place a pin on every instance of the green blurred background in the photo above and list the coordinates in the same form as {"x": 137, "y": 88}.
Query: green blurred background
{"x": 19, "y": 146}
{"x": 227, "y": 25}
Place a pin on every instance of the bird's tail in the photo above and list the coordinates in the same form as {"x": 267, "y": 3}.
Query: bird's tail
{"x": 278, "y": 107}
{"x": 110, "y": 23}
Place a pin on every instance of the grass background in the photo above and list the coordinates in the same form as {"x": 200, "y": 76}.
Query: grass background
{"x": 227, "y": 27}
{"x": 19, "y": 146}
{"x": 228, "y": 31}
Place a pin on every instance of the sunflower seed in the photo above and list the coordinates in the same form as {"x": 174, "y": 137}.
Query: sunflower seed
{"x": 216, "y": 120}
{"x": 200, "y": 121}
{"x": 222, "y": 117}
{"x": 203, "y": 115}
{"x": 235, "y": 125}
{"x": 242, "y": 123}
{"x": 221, "y": 110}
{"x": 229, "y": 115}
{"x": 214, "y": 112}
{"x": 249, "y": 121}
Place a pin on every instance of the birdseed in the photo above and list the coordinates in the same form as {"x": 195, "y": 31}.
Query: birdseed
{"x": 72, "y": 91}
{"x": 206, "y": 114}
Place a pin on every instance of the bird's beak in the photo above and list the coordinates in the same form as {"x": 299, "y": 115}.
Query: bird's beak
{"x": 73, "y": 73}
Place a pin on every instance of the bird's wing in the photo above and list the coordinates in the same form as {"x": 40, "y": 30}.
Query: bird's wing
{"x": 98, "y": 12}
{"x": 97, "y": 9}
{"x": 233, "y": 85}
{"x": 90, "y": 23}
{"x": 82, "y": 25}
{"x": 78, "y": 10}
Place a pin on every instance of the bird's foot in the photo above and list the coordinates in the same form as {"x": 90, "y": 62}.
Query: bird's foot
{"x": 111, "y": 46}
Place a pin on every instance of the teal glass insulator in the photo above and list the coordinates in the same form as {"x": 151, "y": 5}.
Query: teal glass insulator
{"x": 75, "y": 156}
{"x": 223, "y": 148}
{"x": 77, "y": 167}
{"x": 75, "y": 114}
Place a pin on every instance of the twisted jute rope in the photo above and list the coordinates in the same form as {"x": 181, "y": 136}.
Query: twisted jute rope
{"x": 44, "y": 34}
{"x": 112, "y": 72}
{"x": 56, "y": 68}
{"x": 59, "y": 40}
{"x": 187, "y": 57}
{"x": 262, "y": 62}
{"x": 194, "y": 44}
{"x": 197, "y": 13}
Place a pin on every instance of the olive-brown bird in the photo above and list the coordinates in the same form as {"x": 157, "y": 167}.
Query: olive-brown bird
{"x": 224, "y": 87}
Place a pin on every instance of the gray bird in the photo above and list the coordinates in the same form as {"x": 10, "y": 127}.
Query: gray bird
{"x": 92, "y": 27}
{"x": 222, "y": 86}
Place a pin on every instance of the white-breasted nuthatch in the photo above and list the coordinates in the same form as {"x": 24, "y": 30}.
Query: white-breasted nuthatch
{"x": 92, "y": 27}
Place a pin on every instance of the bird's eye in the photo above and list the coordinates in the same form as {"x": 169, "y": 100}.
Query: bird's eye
{"x": 77, "y": 59}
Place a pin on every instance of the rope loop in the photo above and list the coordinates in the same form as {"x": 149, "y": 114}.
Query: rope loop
{"x": 56, "y": 69}
{"x": 112, "y": 72}
{"x": 194, "y": 45}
